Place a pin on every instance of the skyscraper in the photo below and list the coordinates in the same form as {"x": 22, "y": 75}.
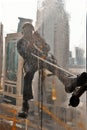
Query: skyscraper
{"x": 53, "y": 24}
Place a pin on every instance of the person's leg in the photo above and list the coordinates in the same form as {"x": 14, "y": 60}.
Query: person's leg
{"x": 70, "y": 81}
{"x": 27, "y": 93}
{"x": 27, "y": 90}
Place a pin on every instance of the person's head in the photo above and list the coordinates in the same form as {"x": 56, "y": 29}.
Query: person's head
{"x": 27, "y": 29}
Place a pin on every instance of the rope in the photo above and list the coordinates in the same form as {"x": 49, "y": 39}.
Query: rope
{"x": 56, "y": 66}
{"x": 41, "y": 98}
{"x": 40, "y": 95}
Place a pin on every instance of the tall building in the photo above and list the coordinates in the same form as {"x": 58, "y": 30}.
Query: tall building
{"x": 13, "y": 70}
{"x": 12, "y": 75}
{"x": 80, "y": 60}
{"x": 53, "y": 24}
{"x": 21, "y": 22}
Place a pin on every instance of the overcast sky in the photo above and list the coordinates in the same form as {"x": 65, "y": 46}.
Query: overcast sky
{"x": 77, "y": 11}
{"x": 10, "y": 10}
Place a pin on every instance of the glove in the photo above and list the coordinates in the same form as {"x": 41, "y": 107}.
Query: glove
{"x": 74, "y": 82}
{"x": 82, "y": 79}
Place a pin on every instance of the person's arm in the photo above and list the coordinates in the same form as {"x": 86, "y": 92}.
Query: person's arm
{"x": 22, "y": 48}
{"x": 41, "y": 43}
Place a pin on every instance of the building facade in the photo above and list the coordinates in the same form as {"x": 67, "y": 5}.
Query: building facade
{"x": 13, "y": 68}
{"x": 53, "y": 24}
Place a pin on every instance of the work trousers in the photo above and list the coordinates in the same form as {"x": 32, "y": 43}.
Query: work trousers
{"x": 63, "y": 76}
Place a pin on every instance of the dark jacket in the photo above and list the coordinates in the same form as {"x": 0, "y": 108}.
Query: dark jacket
{"x": 25, "y": 49}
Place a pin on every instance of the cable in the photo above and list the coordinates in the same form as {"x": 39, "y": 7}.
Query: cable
{"x": 40, "y": 91}
{"x": 42, "y": 97}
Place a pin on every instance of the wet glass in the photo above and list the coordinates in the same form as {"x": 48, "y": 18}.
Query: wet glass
{"x": 63, "y": 25}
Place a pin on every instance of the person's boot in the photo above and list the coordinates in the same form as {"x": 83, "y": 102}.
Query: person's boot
{"x": 25, "y": 109}
{"x": 74, "y": 82}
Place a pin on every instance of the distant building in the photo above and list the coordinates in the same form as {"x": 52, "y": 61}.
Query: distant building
{"x": 79, "y": 55}
{"x": 13, "y": 74}
{"x": 71, "y": 59}
{"x": 21, "y": 22}
{"x": 53, "y": 25}
{"x": 12, "y": 86}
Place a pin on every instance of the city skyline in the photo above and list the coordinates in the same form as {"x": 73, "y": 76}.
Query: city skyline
{"x": 10, "y": 10}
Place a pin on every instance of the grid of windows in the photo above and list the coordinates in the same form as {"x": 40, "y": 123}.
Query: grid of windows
{"x": 10, "y": 89}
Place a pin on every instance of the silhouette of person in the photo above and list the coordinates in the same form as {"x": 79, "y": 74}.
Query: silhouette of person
{"x": 32, "y": 42}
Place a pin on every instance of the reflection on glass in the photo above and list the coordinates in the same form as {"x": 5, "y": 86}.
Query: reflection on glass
{"x": 62, "y": 23}
{"x": 11, "y": 61}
